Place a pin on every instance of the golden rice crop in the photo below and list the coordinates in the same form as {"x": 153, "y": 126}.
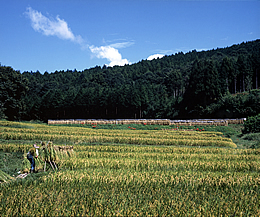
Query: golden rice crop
{"x": 118, "y": 136}
{"x": 106, "y": 180}
{"x": 153, "y": 178}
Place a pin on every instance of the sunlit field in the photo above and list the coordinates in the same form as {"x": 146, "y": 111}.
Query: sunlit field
{"x": 132, "y": 173}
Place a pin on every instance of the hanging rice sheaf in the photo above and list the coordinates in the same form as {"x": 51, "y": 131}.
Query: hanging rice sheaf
{"x": 49, "y": 154}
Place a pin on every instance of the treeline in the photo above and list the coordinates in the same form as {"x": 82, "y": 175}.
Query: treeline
{"x": 193, "y": 85}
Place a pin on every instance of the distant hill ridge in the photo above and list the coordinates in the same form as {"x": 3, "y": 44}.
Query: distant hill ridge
{"x": 178, "y": 86}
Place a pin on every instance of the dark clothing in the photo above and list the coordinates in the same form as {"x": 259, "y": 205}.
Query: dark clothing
{"x": 32, "y": 161}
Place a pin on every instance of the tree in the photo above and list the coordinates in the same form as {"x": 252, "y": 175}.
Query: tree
{"x": 226, "y": 75}
{"x": 182, "y": 84}
{"x": 203, "y": 87}
{"x": 12, "y": 88}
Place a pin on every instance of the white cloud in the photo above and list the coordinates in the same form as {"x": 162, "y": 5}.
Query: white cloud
{"x": 109, "y": 53}
{"x": 155, "y": 56}
{"x": 122, "y": 44}
{"x": 57, "y": 27}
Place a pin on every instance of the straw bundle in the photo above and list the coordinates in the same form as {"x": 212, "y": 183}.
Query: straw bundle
{"x": 216, "y": 122}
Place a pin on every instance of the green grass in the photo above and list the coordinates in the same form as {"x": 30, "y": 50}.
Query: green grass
{"x": 251, "y": 140}
{"x": 11, "y": 163}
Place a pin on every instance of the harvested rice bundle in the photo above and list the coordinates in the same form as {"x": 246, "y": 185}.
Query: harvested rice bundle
{"x": 25, "y": 164}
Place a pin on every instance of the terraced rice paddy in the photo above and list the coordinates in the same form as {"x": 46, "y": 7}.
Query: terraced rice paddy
{"x": 140, "y": 137}
{"x": 110, "y": 173}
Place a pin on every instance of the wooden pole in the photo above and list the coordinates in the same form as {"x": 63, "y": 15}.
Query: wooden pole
{"x": 44, "y": 165}
{"x": 52, "y": 166}
{"x": 55, "y": 165}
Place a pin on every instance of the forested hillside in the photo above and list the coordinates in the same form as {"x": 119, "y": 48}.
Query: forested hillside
{"x": 217, "y": 83}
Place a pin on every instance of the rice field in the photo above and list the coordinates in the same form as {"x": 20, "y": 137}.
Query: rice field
{"x": 139, "y": 137}
{"x": 126, "y": 178}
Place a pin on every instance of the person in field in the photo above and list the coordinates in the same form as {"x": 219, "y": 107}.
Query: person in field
{"x": 31, "y": 155}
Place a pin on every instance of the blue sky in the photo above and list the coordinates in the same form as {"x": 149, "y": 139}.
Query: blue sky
{"x": 51, "y": 35}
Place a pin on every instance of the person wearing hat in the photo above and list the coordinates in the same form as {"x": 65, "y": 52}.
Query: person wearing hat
{"x": 33, "y": 153}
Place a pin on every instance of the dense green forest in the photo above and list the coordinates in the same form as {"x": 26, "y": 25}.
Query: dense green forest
{"x": 219, "y": 83}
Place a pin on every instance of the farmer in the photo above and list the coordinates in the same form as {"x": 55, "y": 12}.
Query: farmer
{"x": 33, "y": 153}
